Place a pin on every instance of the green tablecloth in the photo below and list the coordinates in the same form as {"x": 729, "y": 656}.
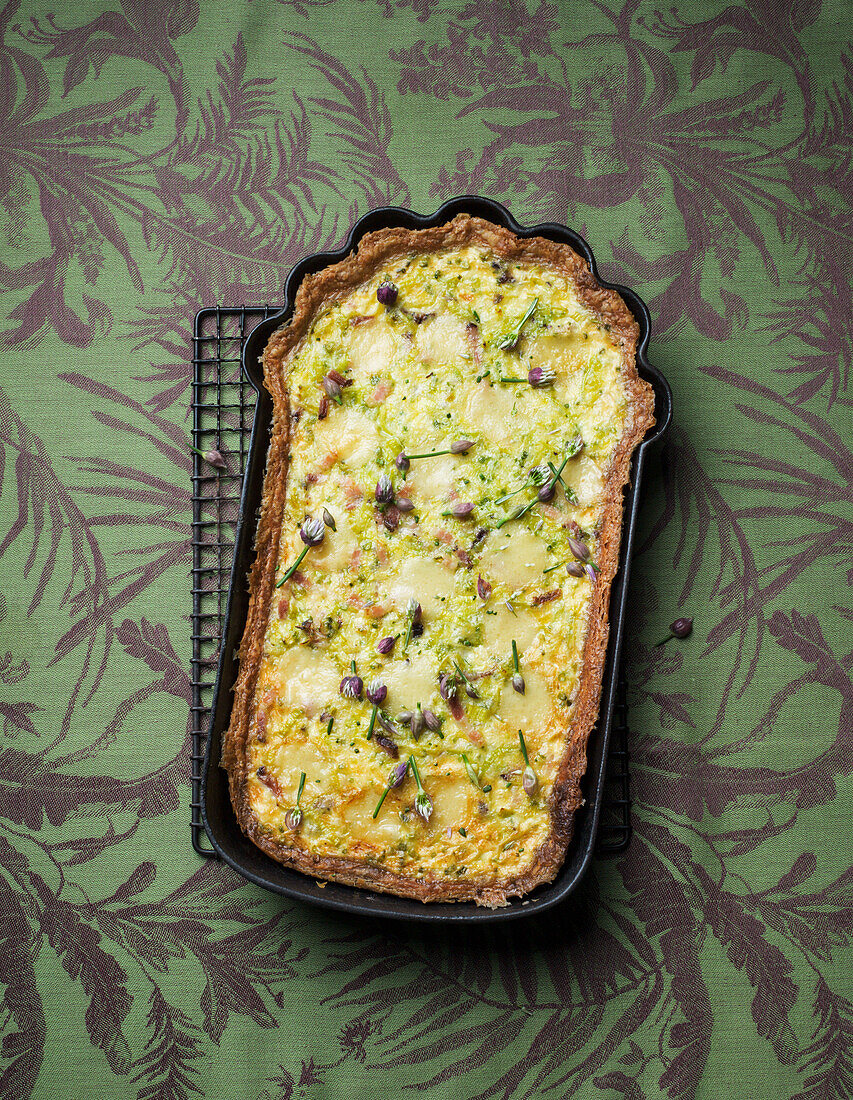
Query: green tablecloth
{"x": 161, "y": 157}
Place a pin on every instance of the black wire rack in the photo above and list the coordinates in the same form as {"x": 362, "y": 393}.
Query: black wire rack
{"x": 223, "y": 411}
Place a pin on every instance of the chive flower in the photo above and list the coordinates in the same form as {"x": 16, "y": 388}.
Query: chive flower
{"x": 528, "y": 779}
{"x": 472, "y": 774}
{"x": 395, "y": 779}
{"x": 402, "y": 463}
{"x": 423, "y": 802}
{"x": 312, "y": 533}
{"x": 384, "y": 492}
{"x": 329, "y": 519}
{"x": 462, "y": 509}
{"x": 352, "y": 686}
{"x": 387, "y": 292}
{"x": 517, "y": 678}
{"x": 510, "y": 341}
{"x": 385, "y": 645}
{"x": 293, "y": 817}
{"x": 484, "y": 589}
{"x": 540, "y": 376}
{"x": 413, "y": 614}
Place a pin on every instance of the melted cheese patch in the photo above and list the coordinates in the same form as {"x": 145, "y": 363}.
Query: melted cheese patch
{"x": 448, "y": 361}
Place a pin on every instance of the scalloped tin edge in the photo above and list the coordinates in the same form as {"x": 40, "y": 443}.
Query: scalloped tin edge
{"x": 219, "y": 821}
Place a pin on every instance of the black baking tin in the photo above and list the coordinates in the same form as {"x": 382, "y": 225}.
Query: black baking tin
{"x": 217, "y": 814}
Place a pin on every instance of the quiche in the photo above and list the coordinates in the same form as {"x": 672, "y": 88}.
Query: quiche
{"x": 455, "y": 410}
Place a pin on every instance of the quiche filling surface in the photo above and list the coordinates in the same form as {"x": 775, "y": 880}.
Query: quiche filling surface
{"x": 455, "y": 587}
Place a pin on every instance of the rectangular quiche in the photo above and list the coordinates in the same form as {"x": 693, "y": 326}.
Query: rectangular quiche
{"x": 455, "y": 412}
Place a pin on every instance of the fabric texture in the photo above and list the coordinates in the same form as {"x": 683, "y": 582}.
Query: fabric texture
{"x": 161, "y": 157}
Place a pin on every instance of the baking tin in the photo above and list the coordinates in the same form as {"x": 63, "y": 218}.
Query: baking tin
{"x": 219, "y": 821}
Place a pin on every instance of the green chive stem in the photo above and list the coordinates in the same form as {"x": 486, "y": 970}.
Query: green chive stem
{"x": 523, "y": 748}
{"x": 329, "y": 727}
{"x": 381, "y": 800}
{"x": 551, "y": 568}
{"x": 372, "y": 721}
{"x": 416, "y": 773}
{"x": 515, "y": 655}
{"x": 301, "y": 785}
{"x": 293, "y": 567}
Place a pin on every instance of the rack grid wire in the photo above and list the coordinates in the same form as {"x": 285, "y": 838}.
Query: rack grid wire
{"x": 223, "y": 405}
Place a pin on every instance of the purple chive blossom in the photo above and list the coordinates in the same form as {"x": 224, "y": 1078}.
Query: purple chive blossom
{"x": 447, "y": 686}
{"x": 376, "y": 692}
{"x": 463, "y": 509}
{"x": 529, "y": 782}
{"x": 293, "y": 817}
{"x": 517, "y": 678}
{"x": 484, "y": 589}
{"x": 395, "y": 779}
{"x": 461, "y": 446}
{"x": 547, "y": 493}
{"x": 579, "y": 549}
{"x": 431, "y": 721}
{"x": 329, "y": 519}
{"x": 575, "y": 569}
{"x": 352, "y": 686}
{"x": 387, "y": 292}
{"x": 331, "y": 388}
{"x": 413, "y": 614}
{"x": 385, "y": 645}
{"x": 402, "y": 463}
{"x": 418, "y": 722}
{"x": 589, "y": 569}
{"x": 398, "y": 774}
{"x": 404, "y": 505}
{"x": 387, "y": 745}
{"x": 540, "y": 376}
{"x": 384, "y": 492}
{"x": 423, "y": 802}
{"x": 312, "y": 533}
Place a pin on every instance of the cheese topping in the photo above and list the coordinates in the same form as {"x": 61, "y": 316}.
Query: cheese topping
{"x": 449, "y": 360}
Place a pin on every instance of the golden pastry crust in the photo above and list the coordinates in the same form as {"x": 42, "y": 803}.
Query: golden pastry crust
{"x": 318, "y": 292}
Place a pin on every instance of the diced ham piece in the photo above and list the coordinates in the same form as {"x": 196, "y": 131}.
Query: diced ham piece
{"x": 380, "y": 393}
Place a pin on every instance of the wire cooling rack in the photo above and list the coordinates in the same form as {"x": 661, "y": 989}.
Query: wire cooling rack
{"x": 223, "y": 407}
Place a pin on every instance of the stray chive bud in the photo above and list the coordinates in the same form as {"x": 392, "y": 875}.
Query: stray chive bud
{"x": 385, "y": 645}
{"x": 384, "y": 492}
{"x": 404, "y": 504}
{"x": 463, "y": 509}
{"x": 413, "y": 614}
{"x": 404, "y": 717}
{"x": 387, "y": 293}
{"x": 402, "y": 463}
{"x": 579, "y": 549}
{"x": 575, "y": 569}
{"x": 431, "y": 722}
{"x": 484, "y": 589}
{"x": 540, "y": 376}
{"x": 376, "y": 692}
{"x": 391, "y": 518}
{"x": 589, "y": 569}
{"x": 461, "y": 446}
{"x": 547, "y": 493}
{"x": 213, "y": 457}
{"x": 329, "y": 519}
{"x": 681, "y": 628}
{"x": 418, "y": 722}
{"x": 540, "y": 474}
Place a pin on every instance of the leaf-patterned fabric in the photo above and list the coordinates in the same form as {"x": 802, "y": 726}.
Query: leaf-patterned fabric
{"x": 160, "y": 157}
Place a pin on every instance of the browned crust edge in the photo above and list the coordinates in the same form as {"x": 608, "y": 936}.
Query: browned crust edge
{"x": 316, "y": 291}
